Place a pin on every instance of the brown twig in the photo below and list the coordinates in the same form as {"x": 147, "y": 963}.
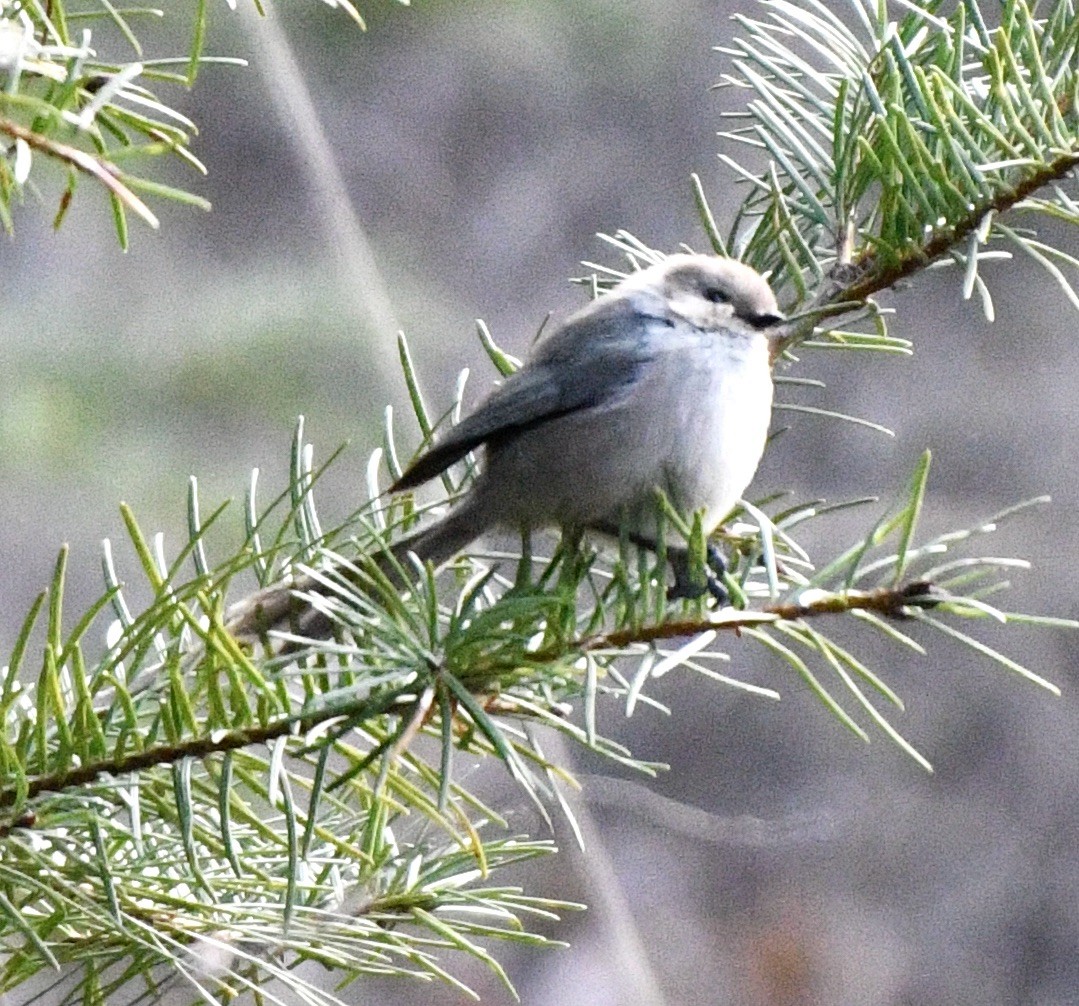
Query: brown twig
{"x": 871, "y": 278}
{"x": 941, "y": 243}
{"x": 889, "y": 601}
{"x": 103, "y": 171}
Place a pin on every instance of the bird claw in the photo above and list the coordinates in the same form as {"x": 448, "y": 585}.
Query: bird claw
{"x": 689, "y": 589}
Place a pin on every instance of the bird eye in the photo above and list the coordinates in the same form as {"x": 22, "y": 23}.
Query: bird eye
{"x": 716, "y": 295}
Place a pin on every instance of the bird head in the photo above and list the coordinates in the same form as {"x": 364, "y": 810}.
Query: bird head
{"x": 708, "y": 292}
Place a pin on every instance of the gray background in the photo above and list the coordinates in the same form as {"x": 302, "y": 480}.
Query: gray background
{"x": 482, "y": 146}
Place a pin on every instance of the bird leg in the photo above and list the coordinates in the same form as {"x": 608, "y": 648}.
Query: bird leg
{"x": 686, "y": 586}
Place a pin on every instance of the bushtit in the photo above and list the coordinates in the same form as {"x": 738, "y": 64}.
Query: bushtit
{"x": 662, "y": 383}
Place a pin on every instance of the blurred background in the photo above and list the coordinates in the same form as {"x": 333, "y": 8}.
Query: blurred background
{"x": 482, "y": 146}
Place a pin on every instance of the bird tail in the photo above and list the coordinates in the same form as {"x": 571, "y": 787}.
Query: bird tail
{"x": 287, "y": 605}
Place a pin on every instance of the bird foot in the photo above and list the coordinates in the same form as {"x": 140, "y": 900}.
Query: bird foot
{"x": 687, "y": 587}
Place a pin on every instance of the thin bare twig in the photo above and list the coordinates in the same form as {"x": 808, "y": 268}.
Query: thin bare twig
{"x": 104, "y": 171}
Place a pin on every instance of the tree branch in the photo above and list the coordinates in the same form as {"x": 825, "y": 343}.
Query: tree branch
{"x": 888, "y": 601}
{"x": 103, "y": 171}
{"x": 871, "y": 282}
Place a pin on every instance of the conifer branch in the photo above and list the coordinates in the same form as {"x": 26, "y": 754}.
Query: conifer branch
{"x": 180, "y": 792}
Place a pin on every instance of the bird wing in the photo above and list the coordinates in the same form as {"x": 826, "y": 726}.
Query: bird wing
{"x": 570, "y": 371}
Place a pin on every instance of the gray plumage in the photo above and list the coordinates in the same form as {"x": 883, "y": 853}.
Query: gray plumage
{"x": 663, "y": 382}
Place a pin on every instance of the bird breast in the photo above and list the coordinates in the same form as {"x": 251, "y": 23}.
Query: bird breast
{"x": 694, "y": 425}
{"x": 721, "y": 428}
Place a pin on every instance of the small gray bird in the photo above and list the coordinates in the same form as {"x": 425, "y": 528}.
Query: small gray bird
{"x": 664, "y": 382}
